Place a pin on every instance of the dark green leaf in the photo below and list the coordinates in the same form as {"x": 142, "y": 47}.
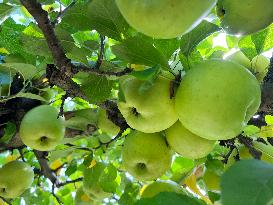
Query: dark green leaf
{"x": 9, "y": 132}
{"x": 248, "y": 182}
{"x": 71, "y": 168}
{"x": 146, "y": 74}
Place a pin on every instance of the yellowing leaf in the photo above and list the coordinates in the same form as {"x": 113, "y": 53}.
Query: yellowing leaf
{"x": 55, "y": 164}
{"x": 266, "y": 131}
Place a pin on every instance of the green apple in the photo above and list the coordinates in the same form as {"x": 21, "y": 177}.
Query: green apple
{"x": 15, "y": 178}
{"x": 212, "y": 180}
{"x": 91, "y": 184}
{"x": 41, "y": 128}
{"x": 187, "y": 144}
{"x": 146, "y": 156}
{"x": 217, "y": 98}
{"x": 107, "y": 125}
{"x": 151, "y": 190}
{"x": 245, "y": 17}
{"x": 258, "y": 65}
{"x": 164, "y": 18}
{"x": 151, "y": 110}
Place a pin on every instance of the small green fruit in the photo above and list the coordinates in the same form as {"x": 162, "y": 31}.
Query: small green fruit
{"x": 41, "y": 128}
{"x": 107, "y": 125}
{"x": 164, "y": 18}
{"x": 156, "y": 187}
{"x": 151, "y": 110}
{"x": 245, "y": 17}
{"x": 184, "y": 142}
{"x": 217, "y": 98}
{"x": 15, "y": 178}
{"x": 146, "y": 156}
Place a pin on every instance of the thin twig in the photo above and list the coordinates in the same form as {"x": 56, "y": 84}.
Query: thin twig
{"x": 53, "y": 194}
{"x": 5, "y": 200}
{"x": 70, "y": 182}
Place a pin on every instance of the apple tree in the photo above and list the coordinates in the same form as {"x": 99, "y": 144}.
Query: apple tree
{"x": 129, "y": 102}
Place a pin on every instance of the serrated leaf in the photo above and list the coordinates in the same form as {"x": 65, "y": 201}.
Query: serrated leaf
{"x": 97, "y": 88}
{"x": 104, "y": 16}
{"x": 139, "y": 50}
{"x": 256, "y": 183}
{"x": 190, "y": 40}
{"x": 9, "y": 132}
{"x": 170, "y": 198}
{"x": 253, "y": 45}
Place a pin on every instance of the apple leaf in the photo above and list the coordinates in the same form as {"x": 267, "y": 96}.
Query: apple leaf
{"x": 269, "y": 119}
{"x": 170, "y": 198}
{"x": 167, "y": 46}
{"x": 146, "y": 74}
{"x": 190, "y": 40}
{"x": 104, "y": 16}
{"x": 71, "y": 168}
{"x": 9, "y": 132}
{"x": 181, "y": 167}
{"x": 257, "y": 43}
{"x": 5, "y": 10}
{"x": 141, "y": 51}
{"x": 97, "y": 88}
{"x": 248, "y": 182}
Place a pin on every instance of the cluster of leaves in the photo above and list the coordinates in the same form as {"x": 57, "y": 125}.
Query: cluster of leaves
{"x": 82, "y": 28}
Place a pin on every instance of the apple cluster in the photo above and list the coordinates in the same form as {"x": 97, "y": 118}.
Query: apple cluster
{"x": 214, "y": 101}
{"x": 172, "y": 18}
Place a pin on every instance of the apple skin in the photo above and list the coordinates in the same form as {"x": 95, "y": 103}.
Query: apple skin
{"x": 151, "y": 190}
{"x": 146, "y": 156}
{"x": 91, "y": 184}
{"x": 216, "y": 99}
{"x": 187, "y": 144}
{"x": 247, "y": 17}
{"x": 258, "y": 65}
{"x": 164, "y": 18}
{"x": 15, "y": 178}
{"x": 40, "y": 128}
{"x": 107, "y": 125}
{"x": 151, "y": 110}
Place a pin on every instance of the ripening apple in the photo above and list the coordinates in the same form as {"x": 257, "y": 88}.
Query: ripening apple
{"x": 217, "y": 98}
{"x": 107, "y": 125}
{"x": 91, "y": 184}
{"x": 151, "y": 190}
{"x": 150, "y": 110}
{"x": 41, "y": 129}
{"x": 15, "y": 178}
{"x": 189, "y": 145}
{"x": 164, "y": 18}
{"x": 245, "y": 17}
{"x": 258, "y": 65}
{"x": 146, "y": 156}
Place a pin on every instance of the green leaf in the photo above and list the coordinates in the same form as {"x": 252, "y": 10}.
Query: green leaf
{"x": 71, "y": 168}
{"x": 30, "y": 96}
{"x": 170, "y": 198}
{"x": 104, "y": 16}
{"x": 190, "y": 40}
{"x": 96, "y": 88}
{"x": 9, "y": 132}
{"x": 107, "y": 179}
{"x": 87, "y": 160}
{"x": 248, "y": 182}
{"x": 5, "y": 10}
{"x": 167, "y": 46}
{"x": 253, "y": 45}
{"x": 181, "y": 167}
{"x": 146, "y": 74}
{"x": 269, "y": 119}
{"x": 139, "y": 50}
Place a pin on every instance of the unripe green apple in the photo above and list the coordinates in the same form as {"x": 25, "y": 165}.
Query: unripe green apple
{"x": 15, "y": 178}
{"x": 41, "y": 128}
{"x": 91, "y": 184}
{"x": 151, "y": 190}
{"x": 150, "y": 110}
{"x": 258, "y": 65}
{"x": 107, "y": 125}
{"x": 186, "y": 143}
{"x": 245, "y": 17}
{"x": 146, "y": 156}
{"x": 217, "y": 98}
{"x": 164, "y": 18}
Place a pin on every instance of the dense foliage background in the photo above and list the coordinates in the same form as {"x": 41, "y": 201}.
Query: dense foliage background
{"x": 93, "y": 46}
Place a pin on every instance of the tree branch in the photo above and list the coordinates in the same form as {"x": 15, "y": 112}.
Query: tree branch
{"x": 69, "y": 182}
